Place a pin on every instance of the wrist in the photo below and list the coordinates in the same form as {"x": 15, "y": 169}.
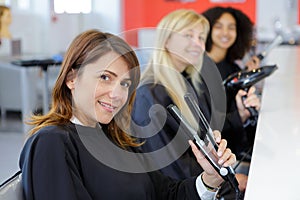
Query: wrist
{"x": 211, "y": 183}
{"x": 244, "y": 115}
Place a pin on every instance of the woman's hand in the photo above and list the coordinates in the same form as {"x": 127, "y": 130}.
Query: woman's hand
{"x": 253, "y": 63}
{"x": 225, "y": 158}
{"x": 242, "y": 179}
{"x": 252, "y": 100}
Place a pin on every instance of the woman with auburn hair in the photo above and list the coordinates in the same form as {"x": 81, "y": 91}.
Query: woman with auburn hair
{"x": 81, "y": 149}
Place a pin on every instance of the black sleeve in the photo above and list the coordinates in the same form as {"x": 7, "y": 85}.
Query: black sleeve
{"x": 49, "y": 168}
{"x": 184, "y": 166}
{"x": 234, "y": 131}
{"x": 169, "y": 189}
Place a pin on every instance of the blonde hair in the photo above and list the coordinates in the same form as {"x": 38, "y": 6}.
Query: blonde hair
{"x": 3, "y": 29}
{"x": 161, "y": 67}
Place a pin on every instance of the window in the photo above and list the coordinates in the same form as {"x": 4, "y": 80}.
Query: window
{"x": 72, "y": 6}
{"x": 23, "y": 4}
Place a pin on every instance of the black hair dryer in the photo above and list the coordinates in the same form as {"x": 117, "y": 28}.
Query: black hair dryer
{"x": 245, "y": 79}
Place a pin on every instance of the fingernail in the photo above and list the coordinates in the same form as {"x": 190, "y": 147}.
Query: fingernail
{"x": 221, "y": 161}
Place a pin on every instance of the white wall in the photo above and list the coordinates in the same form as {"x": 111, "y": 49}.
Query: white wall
{"x": 286, "y": 11}
{"x": 41, "y": 35}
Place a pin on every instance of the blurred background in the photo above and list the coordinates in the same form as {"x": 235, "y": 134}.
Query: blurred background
{"x": 47, "y": 27}
{"x": 44, "y": 29}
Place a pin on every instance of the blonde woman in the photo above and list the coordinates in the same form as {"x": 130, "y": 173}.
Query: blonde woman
{"x": 174, "y": 70}
{"x": 5, "y": 21}
{"x": 5, "y": 34}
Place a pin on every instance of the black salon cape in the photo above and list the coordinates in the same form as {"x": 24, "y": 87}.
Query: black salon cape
{"x": 149, "y": 95}
{"x": 239, "y": 138}
{"x": 56, "y": 166}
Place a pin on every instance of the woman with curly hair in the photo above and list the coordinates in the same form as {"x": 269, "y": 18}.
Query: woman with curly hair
{"x": 230, "y": 39}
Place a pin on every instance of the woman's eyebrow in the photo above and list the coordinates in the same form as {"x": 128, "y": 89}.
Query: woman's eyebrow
{"x": 112, "y": 73}
{"x": 107, "y": 71}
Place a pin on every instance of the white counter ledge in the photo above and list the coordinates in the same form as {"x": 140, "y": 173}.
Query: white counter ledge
{"x": 275, "y": 167}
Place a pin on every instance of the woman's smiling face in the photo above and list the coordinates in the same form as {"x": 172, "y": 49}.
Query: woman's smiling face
{"x": 223, "y": 32}
{"x": 100, "y": 90}
{"x": 186, "y": 46}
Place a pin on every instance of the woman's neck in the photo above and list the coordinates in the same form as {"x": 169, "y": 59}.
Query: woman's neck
{"x": 179, "y": 66}
{"x": 217, "y": 54}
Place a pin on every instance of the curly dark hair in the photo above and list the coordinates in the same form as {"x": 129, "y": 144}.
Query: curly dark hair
{"x": 244, "y": 28}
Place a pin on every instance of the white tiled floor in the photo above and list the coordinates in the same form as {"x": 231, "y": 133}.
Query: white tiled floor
{"x": 11, "y": 143}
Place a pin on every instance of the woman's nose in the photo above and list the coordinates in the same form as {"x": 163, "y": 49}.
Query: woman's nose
{"x": 198, "y": 41}
{"x": 116, "y": 92}
{"x": 225, "y": 31}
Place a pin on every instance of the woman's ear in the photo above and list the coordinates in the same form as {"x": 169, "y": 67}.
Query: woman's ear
{"x": 167, "y": 45}
{"x": 71, "y": 79}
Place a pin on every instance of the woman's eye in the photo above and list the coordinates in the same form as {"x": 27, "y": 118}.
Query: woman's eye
{"x": 217, "y": 26}
{"x": 232, "y": 28}
{"x": 188, "y": 35}
{"x": 104, "y": 77}
{"x": 126, "y": 84}
{"x": 201, "y": 38}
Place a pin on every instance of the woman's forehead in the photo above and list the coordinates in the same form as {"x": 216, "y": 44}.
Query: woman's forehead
{"x": 193, "y": 27}
{"x": 111, "y": 61}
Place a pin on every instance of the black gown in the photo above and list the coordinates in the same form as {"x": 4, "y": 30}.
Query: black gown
{"x": 148, "y": 96}
{"x": 56, "y": 165}
{"x": 240, "y": 139}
